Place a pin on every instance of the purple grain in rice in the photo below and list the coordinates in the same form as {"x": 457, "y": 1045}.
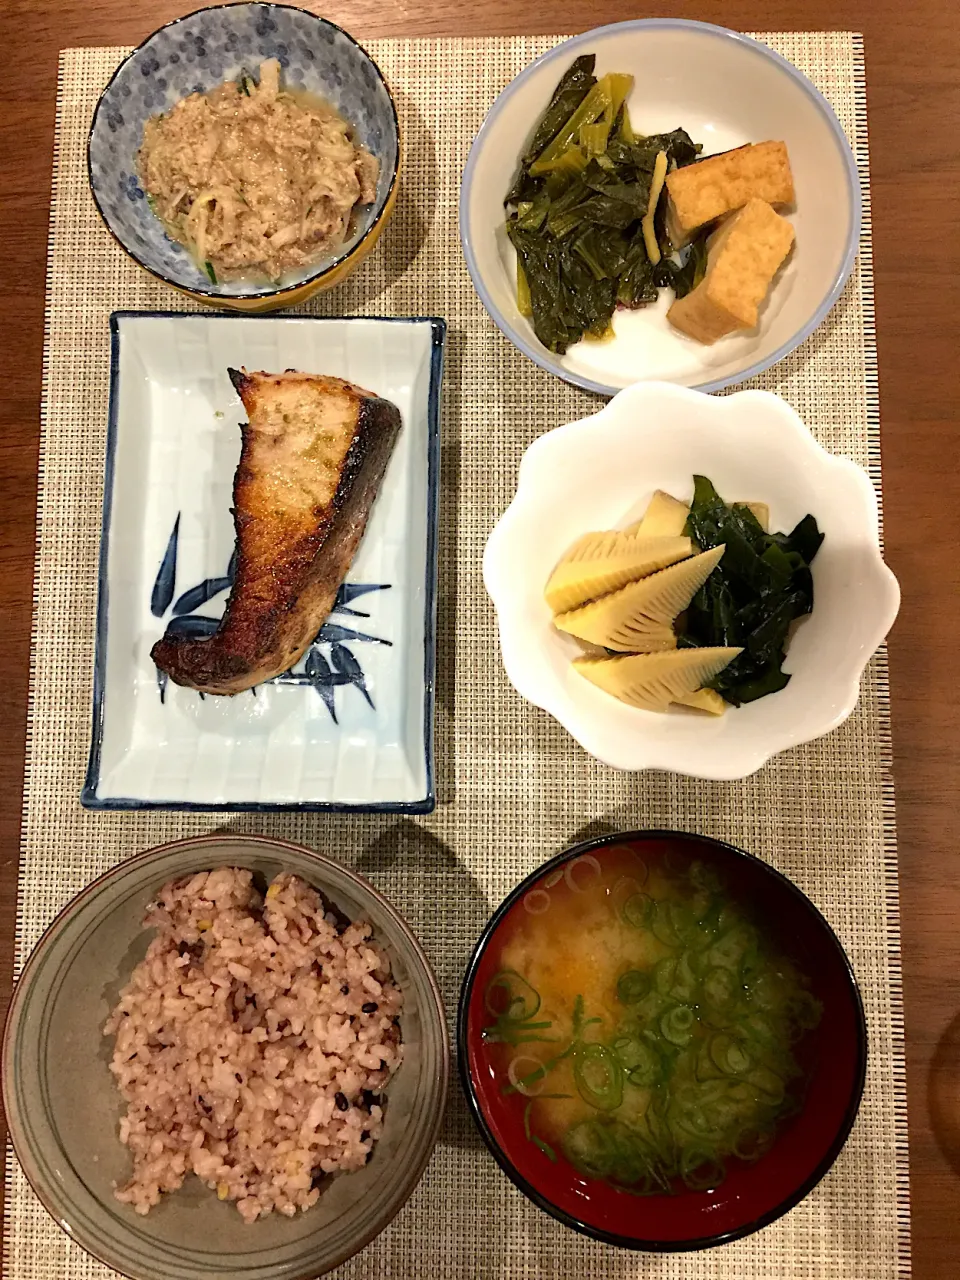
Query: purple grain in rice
{"x": 238, "y": 1035}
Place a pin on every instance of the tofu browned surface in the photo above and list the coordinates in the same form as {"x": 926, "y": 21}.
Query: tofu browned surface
{"x": 743, "y": 256}
{"x": 314, "y": 452}
{"x": 701, "y": 193}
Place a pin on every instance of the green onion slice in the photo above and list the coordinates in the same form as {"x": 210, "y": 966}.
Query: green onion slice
{"x": 522, "y": 1000}
{"x": 731, "y": 1057}
{"x": 638, "y": 910}
{"x": 768, "y": 1083}
{"x": 701, "y": 1170}
{"x": 599, "y": 1076}
{"x": 590, "y": 1148}
{"x": 672, "y": 922}
{"x": 579, "y": 1021}
{"x": 640, "y": 1060}
{"x": 677, "y": 1025}
{"x": 751, "y": 1144}
{"x": 635, "y": 1162}
{"x": 728, "y": 951}
{"x": 719, "y": 989}
{"x": 633, "y": 985}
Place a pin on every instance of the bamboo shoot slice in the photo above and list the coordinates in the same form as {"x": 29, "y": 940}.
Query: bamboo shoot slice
{"x": 602, "y": 562}
{"x": 704, "y": 700}
{"x": 639, "y": 617}
{"x": 664, "y": 518}
{"x": 652, "y": 681}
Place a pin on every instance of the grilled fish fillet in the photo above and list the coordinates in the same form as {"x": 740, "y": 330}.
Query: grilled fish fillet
{"x": 314, "y": 453}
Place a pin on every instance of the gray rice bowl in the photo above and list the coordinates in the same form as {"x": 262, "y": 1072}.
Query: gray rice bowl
{"x": 142, "y": 1142}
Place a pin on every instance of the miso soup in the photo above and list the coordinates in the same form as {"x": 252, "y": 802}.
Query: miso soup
{"x": 646, "y": 1023}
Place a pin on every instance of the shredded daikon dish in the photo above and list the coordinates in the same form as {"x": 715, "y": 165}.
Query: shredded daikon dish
{"x": 256, "y": 180}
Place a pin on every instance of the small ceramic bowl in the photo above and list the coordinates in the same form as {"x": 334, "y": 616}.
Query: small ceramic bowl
{"x": 725, "y": 90}
{"x": 600, "y": 473}
{"x": 63, "y": 1108}
{"x": 195, "y": 54}
{"x": 752, "y": 1195}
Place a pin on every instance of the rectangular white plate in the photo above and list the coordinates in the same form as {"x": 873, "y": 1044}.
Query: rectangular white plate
{"x": 352, "y": 726}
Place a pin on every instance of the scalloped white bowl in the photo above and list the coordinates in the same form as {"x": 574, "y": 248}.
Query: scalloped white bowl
{"x": 600, "y": 473}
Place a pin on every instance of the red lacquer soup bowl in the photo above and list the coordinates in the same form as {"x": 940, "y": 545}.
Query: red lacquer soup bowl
{"x": 830, "y": 1056}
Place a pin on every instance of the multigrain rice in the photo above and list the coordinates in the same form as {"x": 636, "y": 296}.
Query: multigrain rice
{"x": 253, "y": 1044}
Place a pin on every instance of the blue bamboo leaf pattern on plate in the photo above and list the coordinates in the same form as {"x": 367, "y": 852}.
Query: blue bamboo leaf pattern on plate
{"x": 194, "y": 627}
{"x": 346, "y": 664}
{"x": 166, "y": 580}
{"x": 197, "y": 596}
{"x": 318, "y": 670}
{"x": 330, "y": 633}
{"x": 323, "y": 674}
{"x": 351, "y": 590}
{"x": 353, "y": 613}
{"x": 207, "y": 590}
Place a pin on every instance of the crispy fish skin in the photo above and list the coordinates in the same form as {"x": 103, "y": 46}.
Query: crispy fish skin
{"x": 313, "y": 455}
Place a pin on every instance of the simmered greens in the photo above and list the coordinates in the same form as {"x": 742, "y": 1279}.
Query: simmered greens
{"x": 584, "y": 211}
{"x": 760, "y": 587}
{"x": 691, "y": 1064}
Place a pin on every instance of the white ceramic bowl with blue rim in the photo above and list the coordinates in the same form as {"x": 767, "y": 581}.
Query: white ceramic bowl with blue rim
{"x": 195, "y": 54}
{"x": 725, "y": 89}
{"x": 600, "y": 473}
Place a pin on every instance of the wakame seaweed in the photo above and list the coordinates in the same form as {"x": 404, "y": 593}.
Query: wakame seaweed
{"x": 575, "y": 210}
{"x": 760, "y": 587}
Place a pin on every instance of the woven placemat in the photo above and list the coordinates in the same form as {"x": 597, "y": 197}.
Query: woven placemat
{"x": 513, "y": 786}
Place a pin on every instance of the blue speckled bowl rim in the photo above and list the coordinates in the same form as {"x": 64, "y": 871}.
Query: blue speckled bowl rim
{"x": 529, "y": 1190}
{"x": 275, "y": 845}
{"x": 426, "y": 804}
{"x": 534, "y": 349}
{"x": 276, "y": 291}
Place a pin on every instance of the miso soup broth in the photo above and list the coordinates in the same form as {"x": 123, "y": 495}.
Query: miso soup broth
{"x": 645, "y": 1024}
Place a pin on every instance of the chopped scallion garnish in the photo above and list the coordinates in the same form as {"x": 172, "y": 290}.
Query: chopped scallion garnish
{"x": 689, "y": 1067}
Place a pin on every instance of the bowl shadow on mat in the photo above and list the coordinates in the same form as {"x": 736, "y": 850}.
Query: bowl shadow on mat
{"x": 593, "y": 830}
{"x": 943, "y": 1094}
{"x": 795, "y": 364}
{"x": 405, "y": 233}
{"x": 427, "y": 884}
{"x": 459, "y": 1130}
{"x": 422, "y": 877}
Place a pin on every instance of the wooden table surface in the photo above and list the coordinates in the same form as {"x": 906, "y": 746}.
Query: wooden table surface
{"x": 913, "y": 78}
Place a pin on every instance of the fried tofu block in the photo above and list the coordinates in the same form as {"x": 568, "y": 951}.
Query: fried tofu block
{"x": 743, "y": 256}
{"x": 719, "y": 185}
